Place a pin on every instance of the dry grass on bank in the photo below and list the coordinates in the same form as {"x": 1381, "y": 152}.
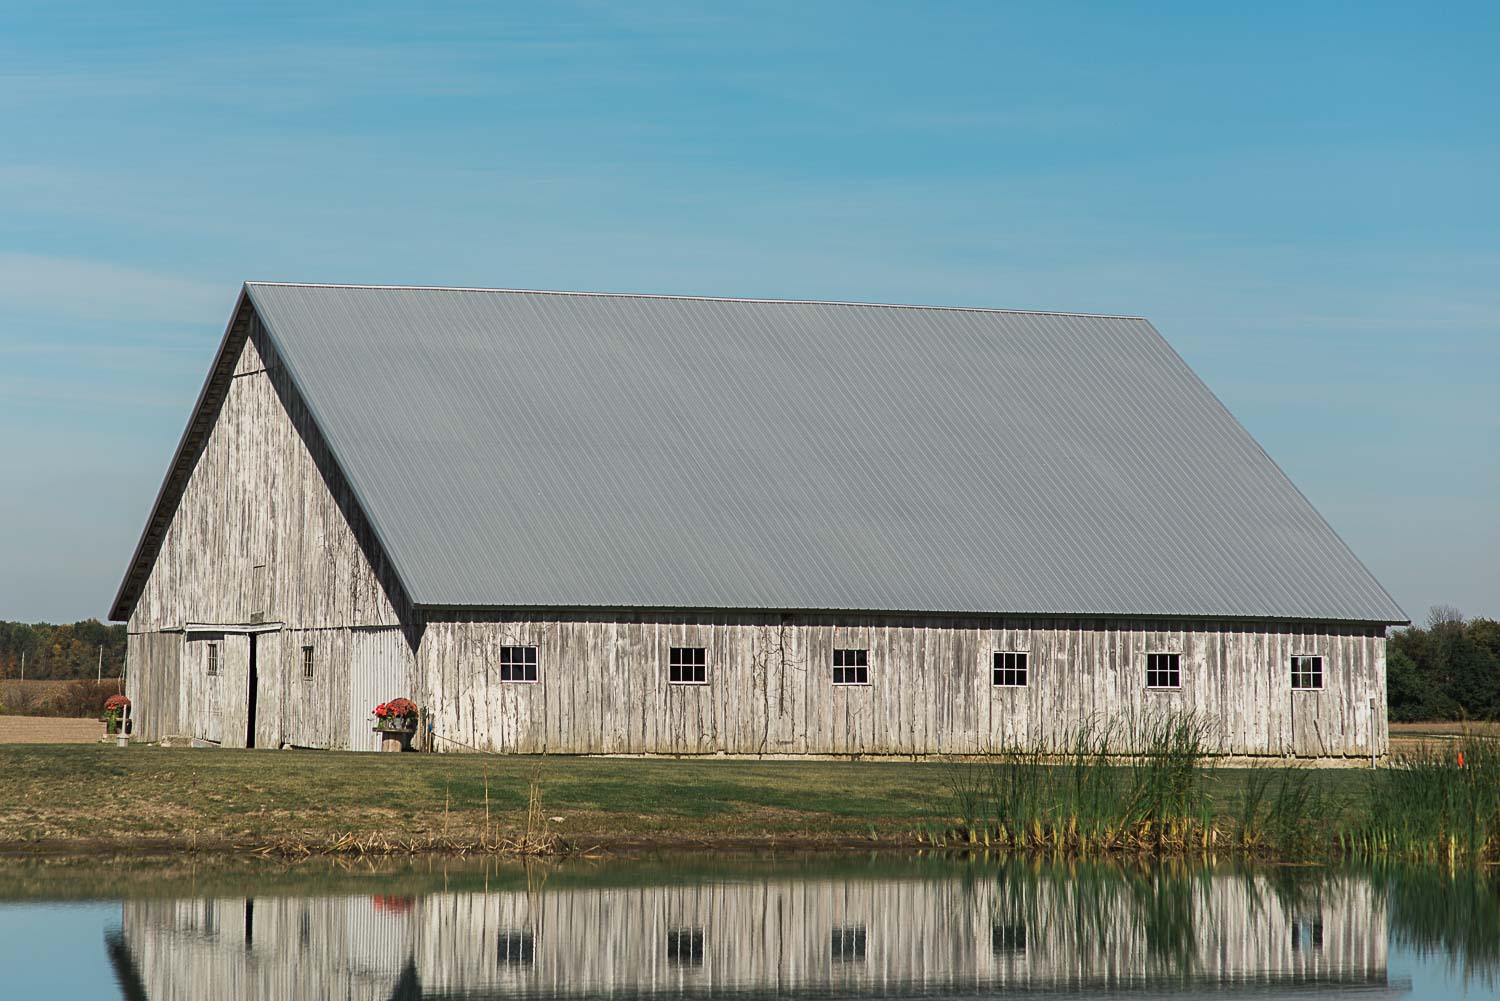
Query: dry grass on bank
{"x": 170, "y": 799}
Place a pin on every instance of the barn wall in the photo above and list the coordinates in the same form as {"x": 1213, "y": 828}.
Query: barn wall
{"x": 266, "y": 531}
{"x": 603, "y": 685}
{"x": 266, "y": 527}
{"x": 152, "y": 683}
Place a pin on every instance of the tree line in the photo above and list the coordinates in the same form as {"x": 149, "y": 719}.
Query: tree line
{"x": 1448, "y": 670}
{"x": 61, "y": 652}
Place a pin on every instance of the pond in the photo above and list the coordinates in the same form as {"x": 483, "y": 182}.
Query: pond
{"x": 695, "y": 926}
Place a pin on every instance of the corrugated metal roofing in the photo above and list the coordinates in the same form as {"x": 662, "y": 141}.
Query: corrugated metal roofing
{"x": 516, "y": 448}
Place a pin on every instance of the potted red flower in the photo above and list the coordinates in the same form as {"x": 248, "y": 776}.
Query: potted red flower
{"x": 396, "y": 721}
{"x": 116, "y": 708}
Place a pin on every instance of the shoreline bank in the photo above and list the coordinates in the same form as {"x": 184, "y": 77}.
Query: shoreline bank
{"x": 99, "y": 801}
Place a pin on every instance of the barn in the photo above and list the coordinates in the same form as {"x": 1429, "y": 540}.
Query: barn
{"x": 596, "y": 523}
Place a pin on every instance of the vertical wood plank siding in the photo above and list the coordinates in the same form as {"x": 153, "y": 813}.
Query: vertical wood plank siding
{"x": 154, "y": 683}
{"x": 266, "y": 529}
{"x": 265, "y": 492}
{"x": 602, "y": 684}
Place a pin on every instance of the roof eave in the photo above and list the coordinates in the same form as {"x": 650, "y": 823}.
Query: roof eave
{"x": 480, "y": 608}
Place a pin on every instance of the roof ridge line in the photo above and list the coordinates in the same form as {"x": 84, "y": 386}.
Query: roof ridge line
{"x": 699, "y": 298}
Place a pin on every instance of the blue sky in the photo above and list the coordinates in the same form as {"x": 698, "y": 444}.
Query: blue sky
{"x": 1303, "y": 198}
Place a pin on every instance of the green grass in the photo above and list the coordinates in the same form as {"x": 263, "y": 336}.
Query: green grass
{"x": 103, "y": 798}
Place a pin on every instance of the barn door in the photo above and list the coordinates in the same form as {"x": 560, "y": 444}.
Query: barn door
{"x": 270, "y": 697}
{"x": 380, "y": 669}
{"x": 202, "y": 676}
{"x": 233, "y": 692}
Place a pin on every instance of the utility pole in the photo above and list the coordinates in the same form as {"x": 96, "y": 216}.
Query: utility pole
{"x": 100, "y": 676}
{"x": 23, "y": 665}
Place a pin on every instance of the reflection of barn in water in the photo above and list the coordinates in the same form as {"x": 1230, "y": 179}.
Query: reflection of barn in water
{"x": 783, "y": 936}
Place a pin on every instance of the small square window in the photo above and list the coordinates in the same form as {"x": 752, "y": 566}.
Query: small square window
{"x": 1307, "y": 933}
{"x": 516, "y": 948}
{"x": 688, "y": 665}
{"x": 518, "y": 663}
{"x": 1163, "y": 670}
{"x": 307, "y": 662}
{"x": 851, "y": 667}
{"x": 685, "y": 947}
{"x": 849, "y": 944}
{"x": 213, "y": 660}
{"x": 1307, "y": 672}
{"x": 1008, "y": 940}
{"x": 1010, "y": 669}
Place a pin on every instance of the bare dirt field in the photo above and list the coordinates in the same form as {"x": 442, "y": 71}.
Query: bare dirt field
{"x": 49, "y": 730}
{"x": 1412, "y": 737}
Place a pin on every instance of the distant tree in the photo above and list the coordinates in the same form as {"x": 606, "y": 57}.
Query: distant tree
{"x": 1450, "y": 670}
{"x": 61, "y": 652}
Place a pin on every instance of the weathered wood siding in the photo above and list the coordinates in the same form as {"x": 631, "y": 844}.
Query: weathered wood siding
{"x": 916, "y": 938}
{"x": 602, "y": 684}
{"x": 266, "y": 531}
{"x": 266, "y": 526}
{"x": 153, "y": 683}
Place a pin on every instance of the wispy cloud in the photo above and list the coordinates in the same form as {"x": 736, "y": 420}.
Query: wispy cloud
{"x": 88, "y": 289}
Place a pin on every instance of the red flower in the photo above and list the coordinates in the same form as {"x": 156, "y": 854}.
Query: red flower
{"x": 396, "y": 708}
{"x": 116, "y": 703}
{"x": 393, "y": 905}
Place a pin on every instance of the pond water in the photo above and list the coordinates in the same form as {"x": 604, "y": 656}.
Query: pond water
{"x": 693, "y": 926}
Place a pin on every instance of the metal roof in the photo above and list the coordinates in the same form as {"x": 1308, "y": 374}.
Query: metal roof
{"x": 519, "y": 448}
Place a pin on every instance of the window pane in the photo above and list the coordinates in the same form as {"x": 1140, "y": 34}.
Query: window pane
{"x": 687, "y": 665}
{"x": 849, "y": 944}
{"x": 1010, "y": 669}
{"x": 1008, "y": 939}
{"x": 518, "y": 663}
{"x": 685, "y": 947}
{"x": 516, "y": 948}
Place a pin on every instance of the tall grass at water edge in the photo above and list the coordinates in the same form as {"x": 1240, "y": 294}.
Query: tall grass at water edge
{"x": 1131, "y": 784}
{"x": 1143, "y": 785}
{"x": 1437, "y": 803}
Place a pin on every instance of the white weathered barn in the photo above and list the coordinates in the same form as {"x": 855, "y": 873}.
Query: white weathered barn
{"x": 643, "y": 524}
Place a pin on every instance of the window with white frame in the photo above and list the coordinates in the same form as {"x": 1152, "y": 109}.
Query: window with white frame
{"x": 1163, "y": 670}
{"x": 687, "y": 665}
{"x": 307, "y": 663}
{"x": 213, "y": 660}
{"x": 1010, "y": 669}
{"x": 848, "y": 944}
{"x": 518, "y": 663}
{"x": 851, "y": 667}
{"x": 685, "y": 945}
{"x": 1307, "y": 672}
{"x": 1008, "y": 939}
{"x": 515, "y": 947}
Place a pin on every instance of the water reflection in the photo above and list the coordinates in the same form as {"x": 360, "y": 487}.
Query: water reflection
{"x": 932, "y": 931}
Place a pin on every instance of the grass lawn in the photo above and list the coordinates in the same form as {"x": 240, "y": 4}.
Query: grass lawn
{"x": 103, "y": 798}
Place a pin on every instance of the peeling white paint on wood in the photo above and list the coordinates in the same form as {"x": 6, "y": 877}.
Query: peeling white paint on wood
{"x": 602, "y": 684}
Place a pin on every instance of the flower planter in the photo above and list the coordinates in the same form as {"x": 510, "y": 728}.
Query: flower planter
{"x": 395, "y": 721}
{"x": 396, "y": 738}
